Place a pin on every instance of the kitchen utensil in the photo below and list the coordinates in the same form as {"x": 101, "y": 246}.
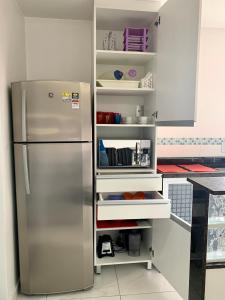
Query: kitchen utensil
{"x": 129, "y": 120}
{"x": 134, "y": 243}
{"x": 100, "y": 117}
{"x": 139, "y": 111}
{"x": 143, "y": 120}
{"x": 105, "y": 246}
{"x": 117, "y": 118}
{"x": 109, "y": 117}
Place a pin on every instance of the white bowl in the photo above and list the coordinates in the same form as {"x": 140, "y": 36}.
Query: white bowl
{"x": 143, "y": 120}
{"x": 129, "y": 120}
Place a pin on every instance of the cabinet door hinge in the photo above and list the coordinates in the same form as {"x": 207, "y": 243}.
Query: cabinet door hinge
{"x": 152, "y": 252}
{"x": 158, "y": 22}
{"x": 155, "y": 114}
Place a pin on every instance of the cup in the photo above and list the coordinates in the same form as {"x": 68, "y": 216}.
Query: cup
{"x": 109, "y": 117}
{"x": 143, "y": 120}
{"x": 117, "y": 118}
{"x": 128, "y": 120}
{"x": 100, "y": 117}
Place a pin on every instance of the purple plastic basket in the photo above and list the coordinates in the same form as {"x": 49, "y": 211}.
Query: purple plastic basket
{"x": 135, "y": 39}
{"x": 136, "y": 31}
{"x": 136, "y": 47}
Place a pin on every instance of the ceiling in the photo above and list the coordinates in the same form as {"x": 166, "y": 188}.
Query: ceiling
{"x": 213, "y": 11}
{"x": 58, "y": 9}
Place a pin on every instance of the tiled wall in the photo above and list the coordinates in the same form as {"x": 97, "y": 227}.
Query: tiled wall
{"x": 190, "y": 141}
{"x": 190, "y": 147}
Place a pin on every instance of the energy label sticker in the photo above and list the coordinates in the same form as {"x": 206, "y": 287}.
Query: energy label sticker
{"x": 75, "y": 101}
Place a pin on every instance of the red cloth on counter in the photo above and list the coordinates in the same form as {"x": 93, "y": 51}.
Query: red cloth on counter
{"x": 198, "y": 168}
{"x": 170, "y": 169}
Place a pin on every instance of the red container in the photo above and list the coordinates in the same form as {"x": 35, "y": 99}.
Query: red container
{"x": 101, "y": 117}
{"x": 109, "y": 118}
{"x": 105, "y": 117}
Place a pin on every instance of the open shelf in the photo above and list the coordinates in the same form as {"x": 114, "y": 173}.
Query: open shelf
{"x": 217, "y": 256}
{"x": 123, "y": 91}
{"x": 216, "y": 222}
{"x": 141, "y": 224}
{"x": 125, "y": 125}
{"x": 123, "y": 57}
{"x": 124, "y": 258}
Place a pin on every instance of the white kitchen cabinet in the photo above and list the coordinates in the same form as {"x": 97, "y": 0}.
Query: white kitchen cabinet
{"x": 171, "y": 243}
{"x": 173, "y": 61}
{"x": 177, "y": 62}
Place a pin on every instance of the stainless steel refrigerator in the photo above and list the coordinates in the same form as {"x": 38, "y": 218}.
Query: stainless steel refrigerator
{"x": 53, "y": 168}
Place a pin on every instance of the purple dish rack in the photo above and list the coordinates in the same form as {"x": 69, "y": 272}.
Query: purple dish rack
{"x": 135, "y": 39}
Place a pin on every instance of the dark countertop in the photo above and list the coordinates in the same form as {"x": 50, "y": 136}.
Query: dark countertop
{"x": 194, "y": 174}
{"x": 213, "y": 162}
{"x": 213, "y": 185}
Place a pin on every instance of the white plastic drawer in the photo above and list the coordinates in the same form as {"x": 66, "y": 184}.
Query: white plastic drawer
{"x": 155, "y": 208}
{"x": 132, "y": 183}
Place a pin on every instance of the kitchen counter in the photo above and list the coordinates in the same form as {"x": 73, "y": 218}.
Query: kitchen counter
{"x": 217, "y": 163}
{"x": 214, "y": 186}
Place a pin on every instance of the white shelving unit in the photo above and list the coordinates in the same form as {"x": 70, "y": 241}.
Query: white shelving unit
{"x": 173, "y": 98}
{"x": 124, "y": 101}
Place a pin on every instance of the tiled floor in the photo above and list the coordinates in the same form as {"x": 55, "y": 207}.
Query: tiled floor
{"x": 124, "y": 282}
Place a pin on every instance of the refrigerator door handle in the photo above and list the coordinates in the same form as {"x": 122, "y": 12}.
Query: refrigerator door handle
{"x": 24, "y": 112}
{"x": 26, "y": 171}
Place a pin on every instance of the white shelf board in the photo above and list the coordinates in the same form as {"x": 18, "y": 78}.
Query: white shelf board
{"x": 142, "y": 224}
{"x": 217, "y": 256}
{"x": 123, "y": 91}
{"x": 125, "y": 125}
{"x": 216, "y": 222}
{"x": 125, "y": 170}
{"x": 123, "y": 57}
{"x": 124, "y": 258}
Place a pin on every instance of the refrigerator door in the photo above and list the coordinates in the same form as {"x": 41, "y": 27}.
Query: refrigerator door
{"x": 45, "y": 111}
{"x": 54, "y": 206}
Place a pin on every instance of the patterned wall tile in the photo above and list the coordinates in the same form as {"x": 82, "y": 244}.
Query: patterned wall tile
{"x": 190, "y": 141}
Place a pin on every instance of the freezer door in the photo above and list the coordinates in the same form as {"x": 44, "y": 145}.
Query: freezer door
{"x": 51, "y": 111}
{"x": 55, "y": 225}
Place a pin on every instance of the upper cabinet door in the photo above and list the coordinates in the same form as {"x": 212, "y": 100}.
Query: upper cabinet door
{"x": 177, "y": 64}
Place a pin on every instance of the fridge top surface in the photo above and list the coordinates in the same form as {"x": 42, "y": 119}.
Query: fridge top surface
{"x": 51, "y": 111}
{"x": 48, "y": 81}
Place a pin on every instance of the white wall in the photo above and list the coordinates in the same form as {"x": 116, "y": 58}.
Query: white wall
{"x": 59, "y": 49}
{"x": 12, "y": 68}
